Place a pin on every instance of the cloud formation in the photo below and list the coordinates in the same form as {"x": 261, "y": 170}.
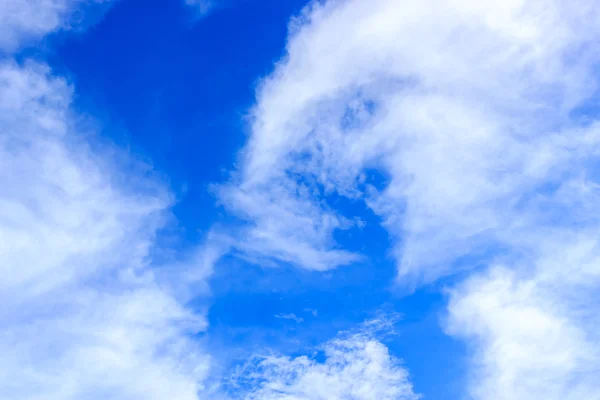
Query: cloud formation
{"x": 354, "y": 366}
{"x": 25, "y": 21}
{"x": 83, "y": 313}
{"x": 477, "y": 118}
{"x": 452, "y": 120}
{"x": 534, "y": 333}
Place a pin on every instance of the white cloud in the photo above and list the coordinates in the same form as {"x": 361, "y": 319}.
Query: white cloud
{"x": 451, "y": 118}
{"x": 22, "y": 21}
{"x": 469, "y": 108}
{"x": 533, "y": 338}
{"x": 285, "y": 226}
{"x": 290, "y": 316}
{"x": 83, "y": 314}
{"x": 355, "y": 366}
{"x": 475, "y": 113}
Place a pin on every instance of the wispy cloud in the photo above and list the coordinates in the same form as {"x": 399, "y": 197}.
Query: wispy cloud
{"x": 284, "y": 225}
{"x": 354, "y": 365}
{"x": 291, "y": 316}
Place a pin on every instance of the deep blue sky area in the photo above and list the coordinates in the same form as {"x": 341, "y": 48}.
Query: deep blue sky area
{"x": 176, "y": 90}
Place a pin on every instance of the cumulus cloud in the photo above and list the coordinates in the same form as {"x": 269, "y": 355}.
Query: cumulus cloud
{"x": 476, "y": 115}
{"x": 83, "y": 313}
{"x": 355, "y": 366}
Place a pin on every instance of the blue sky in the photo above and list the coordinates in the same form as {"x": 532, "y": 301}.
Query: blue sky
{"x": 294, "y": 200}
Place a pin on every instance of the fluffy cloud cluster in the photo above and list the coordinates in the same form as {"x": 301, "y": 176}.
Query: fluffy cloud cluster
{"x": 356, "y": 366}
{"x": 532, "y": 339}
{"x": 465, "y": 108}
{"x": 83, "y": 314}
{"x": 478, "y": 116}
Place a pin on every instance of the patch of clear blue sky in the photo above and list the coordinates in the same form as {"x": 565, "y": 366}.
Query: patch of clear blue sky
{"x": 176, "y": 90}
